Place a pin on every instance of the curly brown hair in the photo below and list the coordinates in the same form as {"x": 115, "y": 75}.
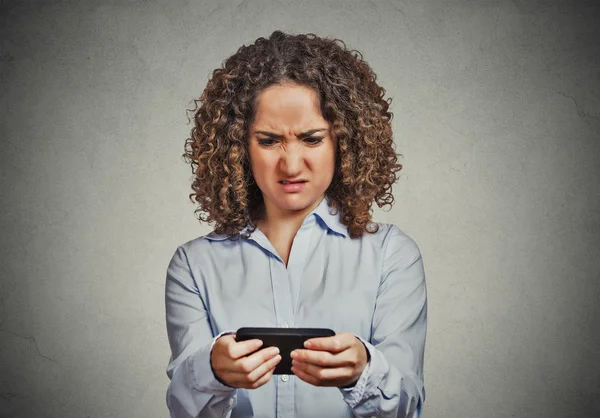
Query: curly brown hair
{"x": 350, "y": 100}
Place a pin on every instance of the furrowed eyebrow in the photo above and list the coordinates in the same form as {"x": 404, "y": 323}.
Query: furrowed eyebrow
{"x": 302, "y": 135}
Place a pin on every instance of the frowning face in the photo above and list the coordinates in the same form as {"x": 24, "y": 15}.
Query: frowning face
{"x": 292, "y": 154}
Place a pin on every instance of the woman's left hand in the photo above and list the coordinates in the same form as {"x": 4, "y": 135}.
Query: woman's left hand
{"x": 330, "y": 361}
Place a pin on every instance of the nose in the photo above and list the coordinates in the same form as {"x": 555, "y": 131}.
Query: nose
{"x": 291, "y": 161}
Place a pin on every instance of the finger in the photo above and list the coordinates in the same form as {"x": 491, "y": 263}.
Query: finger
{"x": 333, "y": 375}
{"x": 224, "y": 341}
{"x": 305, "y": 376}
{"x": 264, "y": 369}
{"x": 248, "y": 364}
{"x": 324, "y": 358}
{"x": 256, "y": 378}
{"x": 320, "y": 358}
{"x": 334, "y": 344}
{"x": 264, "y": 379}
{"x": 236, "y": 350}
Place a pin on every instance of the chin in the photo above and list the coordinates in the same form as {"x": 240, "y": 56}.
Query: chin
{"x": 295, "y": 202}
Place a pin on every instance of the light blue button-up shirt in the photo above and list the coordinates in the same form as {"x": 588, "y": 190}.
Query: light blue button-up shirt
{"x": 373, "y": 286}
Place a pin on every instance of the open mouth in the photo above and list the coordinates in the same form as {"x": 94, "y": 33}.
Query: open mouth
{"x": 292, "y": 186}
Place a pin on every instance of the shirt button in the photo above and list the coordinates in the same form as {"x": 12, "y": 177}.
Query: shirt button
{"x": 230, "y": 402}
{"x": 285, "y": 378}
{"x": 285, "y": 326}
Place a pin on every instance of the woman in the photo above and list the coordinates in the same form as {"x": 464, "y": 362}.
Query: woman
{"x": 292, "y": 144}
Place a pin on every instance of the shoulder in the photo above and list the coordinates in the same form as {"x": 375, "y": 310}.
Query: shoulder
{"x": 401, "y": 259}
{"x": 393, "y": 241}
{"x": 390, "y": 234}
{"x": 198, "y": 243}
{"x": 205, "y": 246}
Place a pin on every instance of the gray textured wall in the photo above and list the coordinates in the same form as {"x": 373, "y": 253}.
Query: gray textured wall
{"x": 497, "y": 114}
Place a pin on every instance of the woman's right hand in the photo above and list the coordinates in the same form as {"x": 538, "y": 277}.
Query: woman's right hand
{"x": 230, "y": 364}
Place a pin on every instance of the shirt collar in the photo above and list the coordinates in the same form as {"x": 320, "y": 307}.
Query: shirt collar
{"x": 321, "y": 212}
{"x": 331, "y": 221}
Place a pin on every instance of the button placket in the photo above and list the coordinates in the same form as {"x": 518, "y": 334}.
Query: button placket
{"x": 281, "y": 293}
{"x": 297, "y": 260}
{"x": 284, "y": 316}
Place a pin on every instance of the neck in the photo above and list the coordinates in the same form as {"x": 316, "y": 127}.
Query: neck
{"x": 280, "y": 221}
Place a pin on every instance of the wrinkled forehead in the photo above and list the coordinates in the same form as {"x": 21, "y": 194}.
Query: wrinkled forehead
{"x": 289, "y": 108}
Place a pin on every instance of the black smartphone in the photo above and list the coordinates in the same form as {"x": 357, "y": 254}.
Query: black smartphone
{"x": 286, "y": 339}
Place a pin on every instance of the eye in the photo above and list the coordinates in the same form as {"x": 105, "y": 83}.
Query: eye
{"x": 313, "y": 140}
{"x": 267, "y": 142}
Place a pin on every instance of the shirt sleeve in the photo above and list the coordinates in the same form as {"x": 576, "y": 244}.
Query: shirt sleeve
{"x": 392, "y": 385}
{"x": 194, "y": 390}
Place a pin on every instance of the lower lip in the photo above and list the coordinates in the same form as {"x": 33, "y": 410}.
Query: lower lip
{"x": 292, "y": 187}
